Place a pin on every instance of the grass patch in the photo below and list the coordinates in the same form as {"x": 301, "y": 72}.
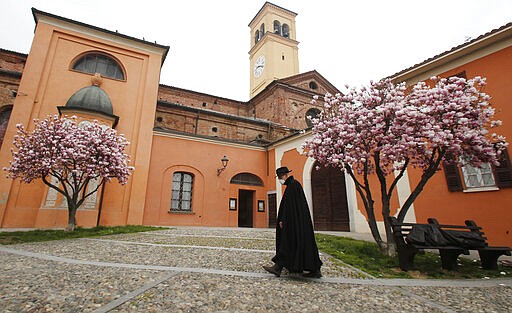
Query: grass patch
{"x": 9, "y": 238}
{"x": 367, "y": 257}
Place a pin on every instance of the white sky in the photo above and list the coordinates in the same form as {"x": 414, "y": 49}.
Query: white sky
{"x": 345, "y": 41}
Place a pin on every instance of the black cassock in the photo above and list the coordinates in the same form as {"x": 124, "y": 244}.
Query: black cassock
{"x": 295, "y": 244}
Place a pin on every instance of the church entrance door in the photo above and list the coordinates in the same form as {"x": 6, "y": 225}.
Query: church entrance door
{"x": 330, "y": 208}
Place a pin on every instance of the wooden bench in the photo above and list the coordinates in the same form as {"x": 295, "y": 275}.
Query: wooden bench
{"x": 488, "y": 255}
{"x": 449, "y": 250}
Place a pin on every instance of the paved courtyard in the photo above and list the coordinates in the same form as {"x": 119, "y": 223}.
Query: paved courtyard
{"x": 187, "y": 269}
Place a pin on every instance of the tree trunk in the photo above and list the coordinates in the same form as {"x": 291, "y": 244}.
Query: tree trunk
{"x": 372, "y": 223}
{"x": 391, "y": 247}
{"x": 71, "y": 218}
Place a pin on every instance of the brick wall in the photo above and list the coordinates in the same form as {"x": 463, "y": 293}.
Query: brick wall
{"x": 11, "y": 66}
{"x": 203, "y": 101}
{"x": 204, "y": 123}
{"x": 285, "y": 107}
{"x": 12, "y": 61}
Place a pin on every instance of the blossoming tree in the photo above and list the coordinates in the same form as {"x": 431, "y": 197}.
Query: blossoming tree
{"x": 74, "y": 154}
{"x": 383, "y": 129}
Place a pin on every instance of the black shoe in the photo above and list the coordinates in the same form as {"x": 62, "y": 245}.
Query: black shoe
{"x": 314, "y": 274}
{"x": 276, "y": 270}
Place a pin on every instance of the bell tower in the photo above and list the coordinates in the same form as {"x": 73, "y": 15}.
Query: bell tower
{"x": 274, "y": 50}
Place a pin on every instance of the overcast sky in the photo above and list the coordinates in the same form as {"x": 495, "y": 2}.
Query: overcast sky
{"x": 348, "y": 42}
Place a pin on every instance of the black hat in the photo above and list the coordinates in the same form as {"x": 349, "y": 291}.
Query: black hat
{"x": 282, "y": 170}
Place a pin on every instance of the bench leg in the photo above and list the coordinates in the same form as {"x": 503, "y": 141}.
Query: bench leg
{"x": 406, "y": 258}
{"x": 449, "y": 258}
{"x": 489, "y": 259}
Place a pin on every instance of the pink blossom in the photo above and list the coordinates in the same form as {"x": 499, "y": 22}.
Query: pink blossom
{"x": 60, "y": 147}
{"x": 380, "y": 128}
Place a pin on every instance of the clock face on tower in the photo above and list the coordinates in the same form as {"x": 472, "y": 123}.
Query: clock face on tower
{"x": 259, "y": 65}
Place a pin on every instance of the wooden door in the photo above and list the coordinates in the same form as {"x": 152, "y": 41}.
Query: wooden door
{"x": 272, "y": 210}
{"x": 245, "y": 207}
{"x": 330, "y": 208}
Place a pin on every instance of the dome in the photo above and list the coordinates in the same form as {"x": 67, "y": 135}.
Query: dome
{"x": 91, "y": 98}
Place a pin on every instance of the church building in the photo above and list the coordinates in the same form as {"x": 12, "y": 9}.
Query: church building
{"x": 204, "y": 160}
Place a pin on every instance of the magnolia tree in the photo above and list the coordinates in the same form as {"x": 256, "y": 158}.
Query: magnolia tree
{"x": 75, "y": 154}
{"x": 382, "y": 129}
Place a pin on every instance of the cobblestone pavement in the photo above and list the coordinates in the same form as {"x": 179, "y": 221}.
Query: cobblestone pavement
{"x": 188, "y": 269}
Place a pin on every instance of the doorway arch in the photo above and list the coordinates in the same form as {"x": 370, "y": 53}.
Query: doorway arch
{"x": 329, "y": 197}
{"x": 246, "y": 197}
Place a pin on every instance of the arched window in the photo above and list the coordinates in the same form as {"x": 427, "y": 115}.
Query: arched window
{"x": 5, "y": 113}
{"x": 313, "y": 85}
{"x": 256, "y": 36}
{"x": 277, "y": 27}
{"x": 310, "y": 114}
{"x": 262, "y": 30}
{"x": 286, "y": 31}
{"x": 181, "y": 198}
{"x": 92, "y": 63}
{"x": 246, "y": 179}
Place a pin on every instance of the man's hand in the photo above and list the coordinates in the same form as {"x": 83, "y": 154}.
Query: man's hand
{"x": 281, "y": 225}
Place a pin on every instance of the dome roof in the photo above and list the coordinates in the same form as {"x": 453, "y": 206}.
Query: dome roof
{"x": 91, "y": 98}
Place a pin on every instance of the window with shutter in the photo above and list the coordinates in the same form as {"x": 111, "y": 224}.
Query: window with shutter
{"x": 503, "y": 172}
{"x": 478, "y": 177}
{"x": 451, "y": 172}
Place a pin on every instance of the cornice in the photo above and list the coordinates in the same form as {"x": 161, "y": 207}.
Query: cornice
{"x": 269, "y": 36}
{"x": 313, "y": 74}
{"x": 293, "y": 137}
{"x": 19, "y": 54}
{"x": 75, "y": 26}
{"x": 213, "y": 113}
{"x": 481, "y": 46}
{"x": 205, "y": 139}
{"x": 203, "y": 94}
{"x": 271, "y": 5}
{"x": 11, "y": 73}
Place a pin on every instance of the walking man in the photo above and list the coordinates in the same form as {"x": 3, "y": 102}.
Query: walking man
{"x": 296, "y": 248}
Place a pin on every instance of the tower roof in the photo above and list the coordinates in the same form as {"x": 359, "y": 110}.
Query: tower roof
{"x": 268, "y": 4}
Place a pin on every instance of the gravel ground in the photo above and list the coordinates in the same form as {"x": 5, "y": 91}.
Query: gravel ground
{"x": 230, "y": 242}
{"x": 210, "y": 270}
{"x": 34, "y": 285}
{"x": 191, "y": 292}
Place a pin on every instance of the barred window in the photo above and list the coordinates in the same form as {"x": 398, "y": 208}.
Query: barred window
{"x": 181, "y": 198}
{"x": 99, "y": 63}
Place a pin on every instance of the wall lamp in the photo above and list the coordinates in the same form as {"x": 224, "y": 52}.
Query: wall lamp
{"x": 224, "y": 162}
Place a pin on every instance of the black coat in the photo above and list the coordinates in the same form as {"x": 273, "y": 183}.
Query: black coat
{"x": 295, "y": 243}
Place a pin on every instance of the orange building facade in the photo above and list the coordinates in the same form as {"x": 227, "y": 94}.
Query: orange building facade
{"x": 489, "y": 56}
{"x": 179, "y": 137}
